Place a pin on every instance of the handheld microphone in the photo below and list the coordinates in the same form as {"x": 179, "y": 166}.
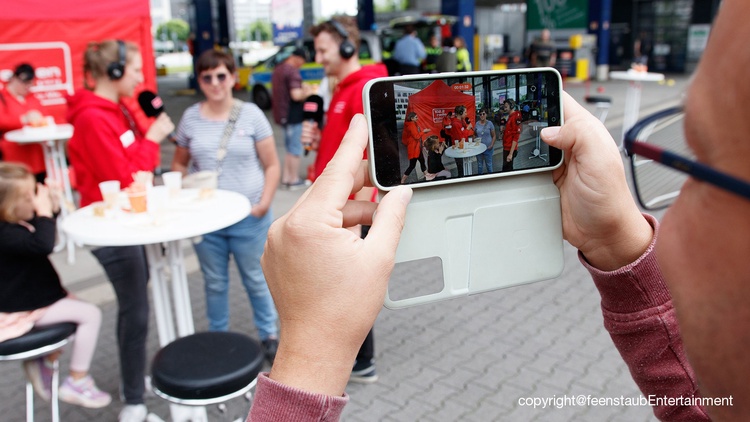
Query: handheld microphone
{"x": 150, "y": 103}
{"x": 468, "y": 121}
{"x": 312, "y": 111}
{"x": 152, "y": 106}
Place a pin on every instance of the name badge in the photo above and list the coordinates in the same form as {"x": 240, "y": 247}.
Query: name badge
{"x": 127, "y": 138}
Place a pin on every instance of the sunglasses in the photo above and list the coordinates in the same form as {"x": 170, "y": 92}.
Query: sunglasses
{"x": 208, "y": 78}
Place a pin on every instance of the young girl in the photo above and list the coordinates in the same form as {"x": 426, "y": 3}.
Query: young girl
{"x": 435, "y": 166}
{"x": 31, "y": 293}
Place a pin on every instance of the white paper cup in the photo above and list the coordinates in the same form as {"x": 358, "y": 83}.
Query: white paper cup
{"x": 173, "y": 181}
{"x": 156, "y": 203}
{"x": 110, "y": 192}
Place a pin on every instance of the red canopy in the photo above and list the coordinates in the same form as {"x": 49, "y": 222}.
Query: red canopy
{"x": 52, "y": 36}
{"x": 434, "y": 102}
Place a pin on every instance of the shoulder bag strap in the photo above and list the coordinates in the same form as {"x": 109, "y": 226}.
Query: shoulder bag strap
{"x": 221, "y": 153}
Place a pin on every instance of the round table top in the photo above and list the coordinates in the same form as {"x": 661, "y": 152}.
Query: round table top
{"x": 632, "y": 75}
{"x": 470, "y": 149}
{"x": 185, "y": 217}
{"x": 32, "y": 135}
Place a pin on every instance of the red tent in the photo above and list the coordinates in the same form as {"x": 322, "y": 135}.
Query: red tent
{"x": 52, "y": 36}
{"x": 434, "y": 102}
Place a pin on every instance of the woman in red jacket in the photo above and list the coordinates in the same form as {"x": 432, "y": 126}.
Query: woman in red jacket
{"x": 108, "y": 144}
{"x": 412, "y": 138}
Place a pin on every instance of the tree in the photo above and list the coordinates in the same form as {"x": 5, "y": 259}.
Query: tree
{"x": 173, "y": 30}
{"x": 382, "y": 6}
{"x": 256, "y": 31}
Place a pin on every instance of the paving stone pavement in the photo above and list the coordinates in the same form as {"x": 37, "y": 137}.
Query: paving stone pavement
{"x": 466, "y": 359}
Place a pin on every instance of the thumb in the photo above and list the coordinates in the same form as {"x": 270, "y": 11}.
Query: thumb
{"x": 388, "y": 223}
{"x": 551, "y": 135}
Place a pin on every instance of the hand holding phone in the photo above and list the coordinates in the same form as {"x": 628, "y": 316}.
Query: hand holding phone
{"x": 491, "y": 224}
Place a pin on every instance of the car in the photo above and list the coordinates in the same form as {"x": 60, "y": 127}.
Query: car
{"x": 259, "y": 83}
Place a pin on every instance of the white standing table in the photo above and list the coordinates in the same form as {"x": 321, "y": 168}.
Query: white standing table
{"x": 633, "y": 96}
{"x": 468, "y": 153}
{"x": 538, "y": 145}
{"x": 52, "y": 139}
{"x": 185, "y": 217}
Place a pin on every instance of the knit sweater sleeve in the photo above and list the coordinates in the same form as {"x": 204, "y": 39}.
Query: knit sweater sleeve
{"x": 639, "y": 316}
{"x": 275, "y": 401}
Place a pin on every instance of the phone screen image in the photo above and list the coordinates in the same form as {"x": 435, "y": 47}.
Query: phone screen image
{"x": 432, "y": 128}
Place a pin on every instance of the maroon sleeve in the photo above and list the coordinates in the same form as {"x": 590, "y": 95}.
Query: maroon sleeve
{"x": 275, "y": 401}
{"x": 641, "y": 321}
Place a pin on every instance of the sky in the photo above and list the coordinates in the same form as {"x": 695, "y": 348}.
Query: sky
{"x": 329, "y": 8}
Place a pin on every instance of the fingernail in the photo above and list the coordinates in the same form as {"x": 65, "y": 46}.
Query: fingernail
{"x": 356, "y": 120}
{"x": 406, "y": 194}
{"x": 550, "y": 132}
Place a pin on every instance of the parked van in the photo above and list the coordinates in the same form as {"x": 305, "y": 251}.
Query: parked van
{"x": 259, "y": 83}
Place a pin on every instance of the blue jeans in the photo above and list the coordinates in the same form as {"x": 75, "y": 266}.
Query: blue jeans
{"x": 487, "y": 158}
{"x": 244, "y": 240}
{"x": 293, "y": 138}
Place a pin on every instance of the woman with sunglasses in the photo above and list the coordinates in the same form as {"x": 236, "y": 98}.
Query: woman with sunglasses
{"x": 108, "y": 144}
{"x": 19, "y": 107}
{"x": 244, "y": 155}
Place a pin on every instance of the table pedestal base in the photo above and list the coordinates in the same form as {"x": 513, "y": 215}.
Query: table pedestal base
{"x": 162, "y": 258}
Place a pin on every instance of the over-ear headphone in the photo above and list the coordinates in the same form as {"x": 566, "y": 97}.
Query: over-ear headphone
{"x": 116, "y": 70}
{"x": 346, "y": 48}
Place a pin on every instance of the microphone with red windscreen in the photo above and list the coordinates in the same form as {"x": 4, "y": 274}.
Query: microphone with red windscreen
{"x": 312, "y": 111}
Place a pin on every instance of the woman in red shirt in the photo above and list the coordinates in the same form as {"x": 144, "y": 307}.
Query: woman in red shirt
{"x": 412, "y": 138}
{"x": 19, "y": 107}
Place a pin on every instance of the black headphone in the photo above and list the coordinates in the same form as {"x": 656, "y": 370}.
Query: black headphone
{"x": 116, "y": 70}
{"x": 346, "y": 48}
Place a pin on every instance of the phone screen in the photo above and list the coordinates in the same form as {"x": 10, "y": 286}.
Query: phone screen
{"x": 432, "y": 128}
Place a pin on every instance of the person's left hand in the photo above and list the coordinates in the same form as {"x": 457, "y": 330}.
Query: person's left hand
{"x": 258, "y": 211}
{"x": 328, "y": 283}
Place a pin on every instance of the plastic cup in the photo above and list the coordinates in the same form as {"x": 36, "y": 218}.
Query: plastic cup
{"x": 156, "y": 203}
{"x": 137, "y": 201}
{"x": 173, "y": 181}
{"x": 110, "y": 191}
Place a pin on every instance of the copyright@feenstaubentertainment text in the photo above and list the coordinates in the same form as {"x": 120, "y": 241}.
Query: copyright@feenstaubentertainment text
{"x": 560, "y": 402}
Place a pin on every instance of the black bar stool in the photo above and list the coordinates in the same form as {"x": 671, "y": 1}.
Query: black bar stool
{"x": 206, "y": 368}
{"x": 602, "y": 103}
{"x": 40, "y": 341}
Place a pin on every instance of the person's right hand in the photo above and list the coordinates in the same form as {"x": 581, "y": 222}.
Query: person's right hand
{"x": 32, "y": 117}
{"x": 161, "y": 127}
{"x": 310, "y": 135}
{"x": 42, "y": 201}
{"x": 329, "y": 284}
{"x": 600, "y": 217}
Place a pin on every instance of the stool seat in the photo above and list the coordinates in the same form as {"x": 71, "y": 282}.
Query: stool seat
{"x": 38, "y": 337}
{"x": 39, "y": 341}
{"x": 594, "y": 99}
{"x": 206, "y": 368}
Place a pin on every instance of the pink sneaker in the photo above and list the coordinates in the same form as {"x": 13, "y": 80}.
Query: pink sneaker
{"x": 39, "y": 372}
{"x": 84, "y": 393}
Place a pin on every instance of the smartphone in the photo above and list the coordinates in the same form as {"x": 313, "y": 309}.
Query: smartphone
{"x": 490, "y": 214}
{"x": 455, "y": 127}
